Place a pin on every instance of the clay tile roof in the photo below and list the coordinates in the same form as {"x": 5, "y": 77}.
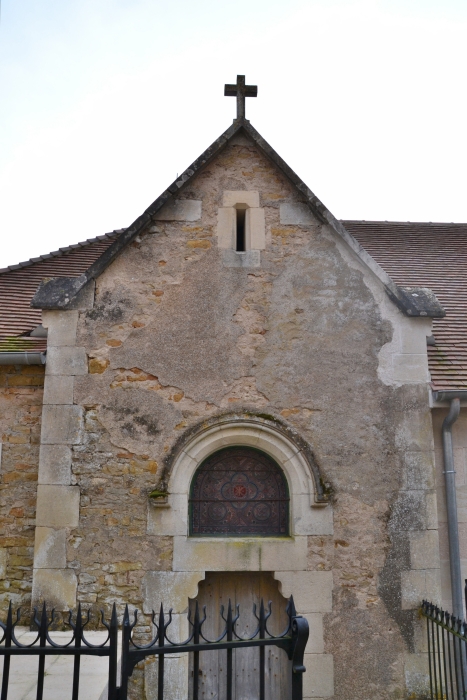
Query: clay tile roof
{"x": 19, "y": 282}
{"x": 413, "y": 255}
{"x": 434, "y": 256}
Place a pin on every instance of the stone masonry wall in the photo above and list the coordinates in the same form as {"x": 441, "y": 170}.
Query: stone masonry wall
{"x": 21, "y": 390}
{"x": 180, "y": 333}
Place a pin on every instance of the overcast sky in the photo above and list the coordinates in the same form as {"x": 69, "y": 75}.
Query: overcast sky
{"x": 104, "y": 102}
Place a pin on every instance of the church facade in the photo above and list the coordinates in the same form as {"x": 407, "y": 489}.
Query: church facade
{"x": 233, "y": 385}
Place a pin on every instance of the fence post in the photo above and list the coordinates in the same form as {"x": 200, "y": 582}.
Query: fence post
{"x": 126, "y": 634}
{"x": 113, "y": 652}
{"x": 6, "y": 661}
{"x": 300, "y": 632}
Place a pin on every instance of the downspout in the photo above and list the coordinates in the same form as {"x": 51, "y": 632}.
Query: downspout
{"x": 22, "y": 358}
{"x": 451, "y": 501}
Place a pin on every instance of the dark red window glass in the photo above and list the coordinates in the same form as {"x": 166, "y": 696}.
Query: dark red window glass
{"x": 239, "y": 491}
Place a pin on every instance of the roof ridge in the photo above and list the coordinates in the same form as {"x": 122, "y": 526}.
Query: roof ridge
{"x": 61, "y": 251}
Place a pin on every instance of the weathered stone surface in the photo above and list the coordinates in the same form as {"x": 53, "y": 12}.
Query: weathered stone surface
{"x": 418, "y": 585}
{"x": 58, "y": 389}
{"x": 239, "y": 554}
{"x": 57, "y": 506}
{"x": 3, "y": 562}
{"x": 312, "y": 590}
{"x": 61, "y": 327}
{"x": 255, "y": 229}
{"x": 20, "y": 420}
{"x": 315, "y": 644}
{"x": 424, "y": 552}
{"x": 417, "y": 675}
{"x": 249, "y": 198}
{"x": 66, "y": 360}
{"x": 61, "y": 425}
{"x": 55, "y": 464}
{"x": 171, "y": 587}
{"x": 296, "y": 214}
{"x": 56, "y": 586}
{"x": 207, "y": 357}
{"x": 180, "y": 210}
{"x": 226, "y": 227}
{"x": 49, "y": 549}
{"x": 318, "y": 681}
{"x": 233, "y": 258}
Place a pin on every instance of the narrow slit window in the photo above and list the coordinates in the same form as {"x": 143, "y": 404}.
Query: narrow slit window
{"x": 240, "y": 240}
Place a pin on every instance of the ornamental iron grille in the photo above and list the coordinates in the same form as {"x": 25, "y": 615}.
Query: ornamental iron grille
{"x": 239, "y": 491}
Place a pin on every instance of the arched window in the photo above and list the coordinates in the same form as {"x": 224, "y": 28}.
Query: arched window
{"x": 239, "y": 491}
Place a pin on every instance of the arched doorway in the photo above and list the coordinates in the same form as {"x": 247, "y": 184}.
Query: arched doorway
{"x": 243, "y": 589}
{"x": 240, "y": 492}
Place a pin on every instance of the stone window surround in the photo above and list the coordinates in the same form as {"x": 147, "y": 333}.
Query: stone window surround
{"x": 306, "y": 515}
{"x": 255, "y": 229}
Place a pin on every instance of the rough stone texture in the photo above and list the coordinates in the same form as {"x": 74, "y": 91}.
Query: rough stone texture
{"x": 61, "y": 425}
{"x": 55, "y": 464}
{"x": 57, "y": 506}
{"x": 21, "y": 391}
{"x": 58, "y": 390}
{"x": 176, "y": 337}
{"x": 55, "y": 586}
{"x": 180, "y": 210}
{"x": 62, "y": 328}
{"x": 66, "y": 360}
{"x": 296, "y": 214}
{"x": 50, "y": 548}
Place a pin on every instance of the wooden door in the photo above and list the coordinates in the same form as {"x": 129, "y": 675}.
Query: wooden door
{"x": 243, "y": 589}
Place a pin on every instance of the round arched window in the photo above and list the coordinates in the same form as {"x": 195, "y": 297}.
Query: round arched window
{"x": 239, "y": 491}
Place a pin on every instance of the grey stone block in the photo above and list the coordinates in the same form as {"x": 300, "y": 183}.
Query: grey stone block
{"x": 180, "y": 210}
{"x": 61, "y": 327}
{"x": 56, "y": 586}
{"x": 58, "y": 389}
{"x": 424, "y": 549}
{"x": 61, "y": 425}
{"x": 173, "y": 586}
{"x": 49, "y": 548}
{"x": 57, "y": 506}
{"x": 232, "y": 258}
{"x": 55, "y": 464}
{"x": 418, "y": 470}
{"x": 66, "y": 361}
{"x": 3, "y": 562}
{"x": 296, "y": 214}
{"x": 318, "y": 681}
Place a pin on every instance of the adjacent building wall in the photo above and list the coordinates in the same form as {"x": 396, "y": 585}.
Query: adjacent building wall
{"x": 459, "y": 439}
{"x": 21, "y": 390}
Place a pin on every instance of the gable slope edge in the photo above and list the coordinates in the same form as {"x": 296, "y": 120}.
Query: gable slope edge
{"x": 60, "y": 293}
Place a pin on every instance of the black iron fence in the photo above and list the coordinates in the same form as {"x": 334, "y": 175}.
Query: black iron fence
{"x": 292, "y": 640}
{"x": 447, "y": 640}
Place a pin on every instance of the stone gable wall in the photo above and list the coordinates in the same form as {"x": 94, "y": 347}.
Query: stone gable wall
{"x": 179, "y": 334}
{"x": 21, "y": 390}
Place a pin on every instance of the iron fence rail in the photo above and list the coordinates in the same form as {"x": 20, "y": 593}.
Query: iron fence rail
{"x": 292, "y": 640}
{"x": 447, "y": 653}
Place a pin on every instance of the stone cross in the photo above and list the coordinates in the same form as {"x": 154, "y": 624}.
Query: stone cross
{"x": 240, "y": 91}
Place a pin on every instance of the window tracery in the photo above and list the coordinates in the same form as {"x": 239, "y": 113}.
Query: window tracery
{"x": 239, "y": 491}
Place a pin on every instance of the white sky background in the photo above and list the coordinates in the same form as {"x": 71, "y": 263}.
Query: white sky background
{"x": 104, "y": 102}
